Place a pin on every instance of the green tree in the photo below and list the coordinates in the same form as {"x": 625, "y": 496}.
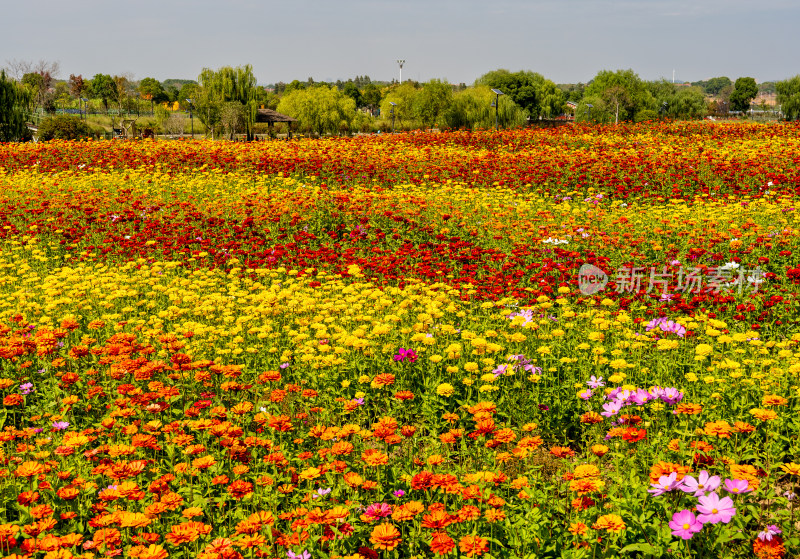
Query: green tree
{"x": 63, "y": 127}
{"x": 351, "y": 90}
{"x": 687, "y": 103}
{"x": 233, "y": 117}
{"x": 402, "y": 96}
{"x": 103, "y": 87}
{"x": 540, "y": 97}
{"x": 472, "y": 109}
{"x": 431, "y": 101}
{"x": 623, "y": 94}
{"x": 713, "y": 86}
{"x": 372, "y": 96}
{"x": 744, "y": 91}
{"x": 152, "y": 90}
{"x": 14, "y": 101}
{"x": 789, "y": 97}
{"x": 232, "y": 85}
{"x": 320, "y": 109}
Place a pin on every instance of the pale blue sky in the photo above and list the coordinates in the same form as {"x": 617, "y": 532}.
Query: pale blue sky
{"x": 458, "y": 40}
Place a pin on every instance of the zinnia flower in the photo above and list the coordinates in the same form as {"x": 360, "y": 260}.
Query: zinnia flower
{"x": 385, "y": 536}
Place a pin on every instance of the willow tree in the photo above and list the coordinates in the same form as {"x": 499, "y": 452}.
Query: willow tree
{"x": 320, "y": 109}
{"x": 474, "y": 108}
{"x": 13, "y": 101}
{"x": 227, "y": 85}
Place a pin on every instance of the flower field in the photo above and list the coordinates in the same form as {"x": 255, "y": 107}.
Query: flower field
{"x": 577, "y": 343}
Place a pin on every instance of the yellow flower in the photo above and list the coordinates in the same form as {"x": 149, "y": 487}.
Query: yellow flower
{"x": 445, "y": 390}
{"x": 702, "y": 350}
{"x": 471, "y": 367}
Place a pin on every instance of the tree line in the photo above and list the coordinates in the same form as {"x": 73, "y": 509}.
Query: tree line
{"x": 226, "y": 100}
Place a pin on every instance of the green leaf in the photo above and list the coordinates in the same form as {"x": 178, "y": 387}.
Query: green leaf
{"x": 645, "y": 548}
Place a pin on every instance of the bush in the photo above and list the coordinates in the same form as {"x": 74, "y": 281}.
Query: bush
{"x": 63, "y": 127}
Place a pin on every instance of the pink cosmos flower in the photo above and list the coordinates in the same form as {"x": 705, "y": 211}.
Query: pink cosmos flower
{"x": 713, "y": 510}
{"x": 700, "y": 486}
{"x": 684, "y": 524}
{"x": 737, "y": 486}
{"x": 665, "y": 483}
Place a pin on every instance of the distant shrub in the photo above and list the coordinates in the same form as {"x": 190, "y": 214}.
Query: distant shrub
{"x": 63, "y": 127}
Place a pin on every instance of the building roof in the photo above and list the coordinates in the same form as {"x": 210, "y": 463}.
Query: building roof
{"x": 268, "y": 115}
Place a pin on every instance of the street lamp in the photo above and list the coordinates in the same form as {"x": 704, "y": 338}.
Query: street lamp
{"x": 86, "y": 107}
{"x": 400, "y": 63}
{"x": 589, "y": 107}
{"x": 496, "y": 106}
{"x": 391, "y": 112}
{"x": 191, "y": 116}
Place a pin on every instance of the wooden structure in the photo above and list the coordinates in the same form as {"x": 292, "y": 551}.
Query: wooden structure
{"x": 271, "y": 117}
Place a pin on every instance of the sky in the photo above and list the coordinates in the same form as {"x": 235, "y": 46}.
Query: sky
{"x": 567, "y": 41}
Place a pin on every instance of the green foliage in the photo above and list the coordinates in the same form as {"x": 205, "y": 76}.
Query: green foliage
{"x": 63, "y": 127}
{"x": 623, "y": 93}
{"x": 233, "y": 117}
{"x": 372, "y": 96}
{"x": 320, "y": 109}
{"x": 229, "y": 85}
{"x": 352, "y": 91}
{"x": 431, "y": 101}
{"x": 403, "y": 96}
{"x": 789, "y": 97}
{"x": 744, "y": 91}
{"x": 472, "y": 109}
{"x": 104, "y": 88}
{"x": 152, "y": 90}
{"x": 713, "y": 86}
{"x": 540, "y": 97}
{"x": 593, "y": 109}
{"x": 688, "y": 102}
{"x": 14, "y": 100}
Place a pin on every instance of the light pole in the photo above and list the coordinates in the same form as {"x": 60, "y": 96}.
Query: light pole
{"x": 191, "y": 116}
{"x": 85, "y": 107}
{"x": 588, "y": 111}
{"x": 496, "y": 105}
{"x": 391, "y": 112}
{"x": 400, "y": 63}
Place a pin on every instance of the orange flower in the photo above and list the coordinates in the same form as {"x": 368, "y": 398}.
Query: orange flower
{"x": 442, "y": 544}
{"x": 385, "y": 536}
{"x": 769, "y": 549}
{"x": 436, "y": 520}
{"x": 383, "y": 379}
{"x": 591, "y": 418}
{"x": 720, "y": 429}
{"x": 688, "y": 409}
{"x": 578, "y": 528}
{"x": 665, "y": 468}
{"x": 374, "y": 457}
{"x": 773, "y": 400}
{"x": 609, "y": 522}
{"x": 29, "y": 469}
{"x": 562, "y": 452}
{"x": 473, "y": 545}
{"x": 599, "y": 449}
{"x": 154, "y": 551}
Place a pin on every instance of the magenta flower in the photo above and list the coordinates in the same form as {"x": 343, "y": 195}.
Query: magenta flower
{"x": 378, "y": 510}
{"x": 737, "y": 486}
{"x": 700, "y": 486}
{"x": 685, "y": 525}
{"x": 713, "y": 510}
